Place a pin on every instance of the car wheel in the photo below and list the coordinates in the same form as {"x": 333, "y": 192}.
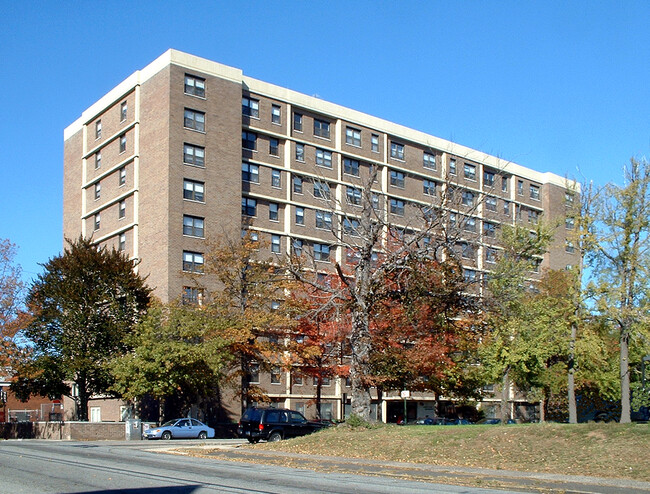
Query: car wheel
{"x": 203, "y": 435}
{"x": 275, "y": 437}
{"x": 166, "y": 435}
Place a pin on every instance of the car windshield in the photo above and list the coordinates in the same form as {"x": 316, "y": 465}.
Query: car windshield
{"x": 252, "y": 414}
{"x": 169, "y": 423}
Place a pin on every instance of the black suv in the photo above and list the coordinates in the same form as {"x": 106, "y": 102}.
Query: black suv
{"x": 274, "y": 424}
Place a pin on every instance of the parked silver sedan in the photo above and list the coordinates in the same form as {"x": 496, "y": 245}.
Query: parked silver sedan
{"x": 180, "y": 429}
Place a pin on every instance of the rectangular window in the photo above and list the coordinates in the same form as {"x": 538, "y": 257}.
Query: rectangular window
{"x": 374, "y": 143}
{"x": 297, "y": 247}
{"x": 254, "y": 374}
{"x": 534, "y": 192}
{"x": 194, "y": 120}
{"x": 122, "y": 177}
{"x": 429, "y": 161}
{"x": 397, "y": 207}
{"x": 193, "y": 226}
{"x": 324, "y": 158}
{"x": 297, "y": 184}
{"x": 275, "y": 114}
{"x": 351, "y": 226}
{"x": 353, "y": 195}
{"x": 490, "y": 255}
{"x": 397, "y": 179}
{"x": 98, "y": 159}
{"x": 250, "y": 107}
{"x": 468, "y": 251}
{"x": 321, "y": 252}
{"x": 520, "y": 187}
{"x": 468, "y": 198}
{"x": 122, "y": 143}
{"x": 569, "y": 199}
{"x": 488, "y": 178}
{"x": 374, "y": 198}
{"x": 274, "y": 146}
{"x": 122, "y": 243}
{"x": 122, "y": 211}
{"x": 193, "y": 155}
{"x": 98, "y": 221}
{"x": 324, "y": 220}
{"x": 123, "y": 111}
{"x": 469, "y": 275}
{"x": 98, "y": 190}
{"x": 321, "y": 128}
{"x": 569, "y": 247}
{"x": 470, "y": 225}
{"x": 98, "y": 129}
{"x": 297, "y": 122}
{"x": 469, "y": 171}
{"x": 300, "y": 152}
{"x": 397, "y": 151}
{"x": 250, "y": 173}
{"x": 275, "y": 244}
{"x": 273, "y": 211}
{"x": 297, "y": 380}
{"x": 489, "y": 229}
{"x": 192, "y": 295}
{"x": 504, "y": 184}
{"x": 491, "y": 203}
{"x": 275, "y": 375}
{"x": 300, "y": 215}
{"x": 429, "y": 187}
{"x": 321, "y": 190}
{"x": 533, "y": 216}
{"x": 194, "y": 86}
{"x": 192, "y": 262}
{"x": 193, "y": 190}
{"x": 506, "y": 207}
{"x": 248, "y": 206}
{"x": 351, "y": 167}
{"x": 276, "y": 179}
{"x": 452, "y": 166}
{"x": 569, "y": 223}
{"x": 249, "y": 140}
{"x": 353, "y": 136}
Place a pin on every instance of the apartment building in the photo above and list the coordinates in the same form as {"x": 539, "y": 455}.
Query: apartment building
{"x": 188, "y": 149}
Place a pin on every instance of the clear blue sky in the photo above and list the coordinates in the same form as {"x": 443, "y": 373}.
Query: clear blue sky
{"x": 553, "y": 85}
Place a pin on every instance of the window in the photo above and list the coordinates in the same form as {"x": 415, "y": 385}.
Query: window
{"x": 300, "y": 152}
{"x": 533, "y": 216}
{"x": 489, "y": 229}
{"x": 452, "y": 219}
{"x": 273, "y": 211}
{"x": 297, "y": 184}
{"x": 470, "y": 225}
{"x": 194, "y": 120}
{"x": 254, "y": 373}
{"x": 275, "y": 114}
{"x": 275, "y": 244}
{"x": 506, "y": 207}
{"x": 275, "y": 375}
{"x": 300, "y": 215}
{"x": 374, "y": 198}
{"x": 520, "y": 187}
{"x": 353, "y": 136}
{"x": 321, "y": 128}
{"x": 491, "y": 203}
{"x": 397, "y": 207}
{"x": 98, "y": 129}
{"x": 98, "y": 190}
{"x": 429, "y": 187}
{"x": 276, "y": 179}
{"x": 468, "y": 198}
{"x": 122, "y": 177}
{"x": 324, "y": 220}
{"x": 250, "y": 173}
{"x": 297, "y": 247}
{"x": 274, "y": 146}
{"x": 122, "y": 211}
{"x": 397, "y": 151}
{"x": 123, "y": 111}
{"x": 324, "y": 158}
{"x": 351, "y": 226}
{"x": 98, "y": 159}
{"x": 353, "y": 195}
{"x": 468, "y": 251}
{"x": 469, "y": 171}
{"x": 192, "y": 295}
{"x": 250, "y": 107}
{"x": 397, "y": 179}
{"x": 490, "y": 255}
{"x": 193, "y": 190}
{"x": 248, "y": 206}
{"x": 193, "y": 226}
{"x": 504, "y": 184}
{"x": 469, "y": 275}
{"x": 122, "y": 243}
{"x": 194, "y": 86}
{"x": 534, "y": 192}
{"x": 351, "y": 167}
{"x": 193, "y": 155}
{"x": 297, "y": 122}
{"x": 568, "y": 199}
{"x": 192, "y": 262}
{"x": 322, "y": 190}
{"x": 249, "y": 140}
{"x": 297, "y": 380}
{"x": 452, "y": 166}
{"x": 429, "y": 161}
{"x": 568, "y": 247}
{"x": 98, "y": 221}
{"x": 569, "y": 223}
{"x": 374, "y": 143}
{"x": 488, "y": 178}
{"x": 122, "y": 143}
{"x": 321, "y": 252}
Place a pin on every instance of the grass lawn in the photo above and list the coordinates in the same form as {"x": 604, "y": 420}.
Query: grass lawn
{"x": 601, "y": 450}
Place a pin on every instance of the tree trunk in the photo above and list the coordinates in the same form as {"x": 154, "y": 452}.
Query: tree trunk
{"x": 505, "y": 393}
{"x": 542, "y": 410}
{"x": 571, "y": 386}
{"x": 361, "y": 347}
{"x": 625, "y": 376}
{"x": 245, "y": 373}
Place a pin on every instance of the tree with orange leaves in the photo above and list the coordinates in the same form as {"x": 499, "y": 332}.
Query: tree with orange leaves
{"x": 11, "y": 299}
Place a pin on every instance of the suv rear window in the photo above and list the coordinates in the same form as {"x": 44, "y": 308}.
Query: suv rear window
{"x": 253, "y": 415}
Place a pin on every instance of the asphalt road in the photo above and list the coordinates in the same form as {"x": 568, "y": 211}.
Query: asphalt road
{"x": 35, "y": 467}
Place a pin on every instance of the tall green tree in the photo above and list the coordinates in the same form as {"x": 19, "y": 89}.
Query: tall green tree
{"x": 620, "y": 255}
{"x": 83, "y": 307}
